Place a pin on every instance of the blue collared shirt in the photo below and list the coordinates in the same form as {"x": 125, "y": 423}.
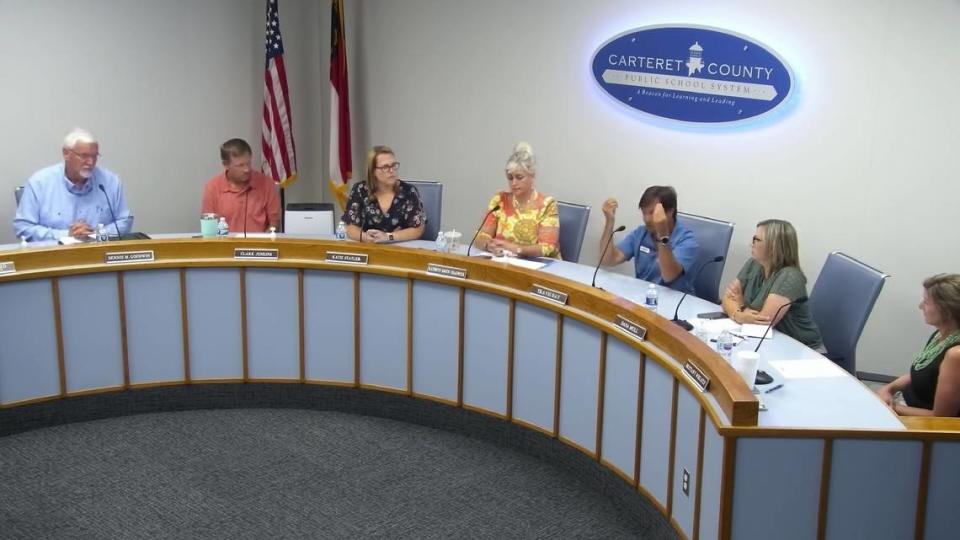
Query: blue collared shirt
{"x": 640, "y": 246}
{"x": 51, "y": 203}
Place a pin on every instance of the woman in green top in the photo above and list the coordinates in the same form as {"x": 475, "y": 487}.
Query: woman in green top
{"x": 771, "y": 279}
{"x": 932, "y": 387}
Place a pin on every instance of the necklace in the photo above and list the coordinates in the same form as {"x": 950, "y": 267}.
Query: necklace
{"x": 519, "y": 205}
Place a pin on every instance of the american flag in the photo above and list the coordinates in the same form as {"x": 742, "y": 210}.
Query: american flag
{"x": 279, "y": 153}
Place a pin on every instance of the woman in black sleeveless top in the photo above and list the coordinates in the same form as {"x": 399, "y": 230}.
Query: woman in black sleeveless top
{"x": 932, "y": 387}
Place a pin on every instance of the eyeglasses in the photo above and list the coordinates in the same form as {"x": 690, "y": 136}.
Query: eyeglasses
{"x": 757, "y": 240}
{"x": 395, "y": 166}
{"x": 86, "y": 157}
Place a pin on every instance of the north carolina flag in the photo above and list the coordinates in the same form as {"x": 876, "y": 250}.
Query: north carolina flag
{"x": 341, "y": 166}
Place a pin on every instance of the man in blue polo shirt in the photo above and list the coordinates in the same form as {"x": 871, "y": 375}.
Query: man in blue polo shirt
{"x": 663, "y": 251}
{"x": 71, "y": 198}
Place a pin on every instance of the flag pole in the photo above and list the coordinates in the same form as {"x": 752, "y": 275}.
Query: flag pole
{"x": 276, "y": 140}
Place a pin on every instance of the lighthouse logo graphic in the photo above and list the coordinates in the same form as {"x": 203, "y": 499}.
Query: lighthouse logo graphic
{"x": 695, "y": 63}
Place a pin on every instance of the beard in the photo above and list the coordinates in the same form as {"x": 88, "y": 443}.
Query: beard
{"x": 85, "y": 173}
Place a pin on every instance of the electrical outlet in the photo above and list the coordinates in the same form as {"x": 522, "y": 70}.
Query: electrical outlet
{"x": 685, "y": 483}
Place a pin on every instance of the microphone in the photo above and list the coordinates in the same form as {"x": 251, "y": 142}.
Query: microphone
{"x": 606, "y": 246}
{"x": 762, "y": 376}
{"x": 484, "y": 220}
{"x": 772, "y": 321}
{"x": 363, "y": 216}
{"x": 246, "y": 197}
{"x": 680, "y": 322}
{"x": 110, "y": 207}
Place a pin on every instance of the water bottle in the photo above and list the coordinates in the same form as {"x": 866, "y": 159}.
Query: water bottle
{"x": 341, "y": 231}
{"x": 725, "y": 344}
{"x": 441, "y": 243}
{"x": 23, "y": 241}
{"x": 222, "y": 228}
{"x": 652, "y": 297}
{"x": 101, "y": 233}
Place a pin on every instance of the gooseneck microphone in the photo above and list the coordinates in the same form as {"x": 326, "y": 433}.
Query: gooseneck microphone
{"x": 762, "y": 376}
{"x": 246, "y": 197}
{"x": 363, "y": 217}
{"x": 484, "y": 220}
{"x": 593, "y": 282}
{"x": 774, "y": 320}
{"x": 110, "y": 207}
{"x": 680, "y": 322}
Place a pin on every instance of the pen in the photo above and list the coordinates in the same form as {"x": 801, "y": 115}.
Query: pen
{"x": 777, "y": 387}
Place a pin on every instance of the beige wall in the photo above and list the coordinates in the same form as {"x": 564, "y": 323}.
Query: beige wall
{"x": 161, "y": 84}
{"x": 864, "y": 163}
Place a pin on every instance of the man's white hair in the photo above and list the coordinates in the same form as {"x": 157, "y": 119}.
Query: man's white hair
{"x": 78, "y": 135}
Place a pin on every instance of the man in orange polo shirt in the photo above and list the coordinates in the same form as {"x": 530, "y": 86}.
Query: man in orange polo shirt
{"x": 247, "y": 198}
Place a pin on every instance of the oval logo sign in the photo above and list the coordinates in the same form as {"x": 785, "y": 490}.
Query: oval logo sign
{"x": 692, "y": 74}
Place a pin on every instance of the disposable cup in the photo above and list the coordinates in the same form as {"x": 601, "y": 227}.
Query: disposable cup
{"x": 747, "y": 363}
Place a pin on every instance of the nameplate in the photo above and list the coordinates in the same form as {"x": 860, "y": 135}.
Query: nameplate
{"x": 7, "y": 267}
{"x": 124, "y": 257}
{"x": 347, "y": 258}
{"x": 549, "y": 294}
{"x": 696, "y": 375}
{"x": 248, "y": 254}
{"x": 631, "y": 328}
{"x": 446, "y": 271}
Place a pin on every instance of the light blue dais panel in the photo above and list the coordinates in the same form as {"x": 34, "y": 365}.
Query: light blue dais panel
{"x": 685, "y": 458}
{"x": 273, "y": 323}
{"x": 773, "y": 475}
{"x": 486, "y": 319}
{"x": 865, "y": 504}
{"x": 655, "y": 439}
{"x": 579, "y": 383}
{"x": 619, "y": 445}
{"x": 92, "y": 346}
{"x": 712, "y": 474}
{"x": 383, "y": 331}
{"x": 943, "y": 519}
{"x": 213, "y": 317}
{"x": 436, "y": 327}
{"x": 28, "y": 357}
{"x": 328, "y": 325}
{"x": 534, "y": 365}
{"x": 154, "y": 325}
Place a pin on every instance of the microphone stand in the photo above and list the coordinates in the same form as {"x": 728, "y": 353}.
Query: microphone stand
{"x": 593, "y": 282}
{"x": 484, "y": 220}
{"x": 110, "y": 207}
{"x": 680, "y": 322}
{"x": 762, "y": 376}
{"x": 246, "y": 197}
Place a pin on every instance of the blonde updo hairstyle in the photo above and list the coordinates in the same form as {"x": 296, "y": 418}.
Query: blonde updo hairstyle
{"x": 522, "y": 159}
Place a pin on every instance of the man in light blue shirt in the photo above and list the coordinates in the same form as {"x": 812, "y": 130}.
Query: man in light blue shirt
{"x": 71, "y": 198}
{"x": 663, "y": 250}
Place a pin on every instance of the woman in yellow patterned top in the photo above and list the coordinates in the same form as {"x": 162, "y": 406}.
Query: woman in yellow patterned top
{"x": 526, "y": 224}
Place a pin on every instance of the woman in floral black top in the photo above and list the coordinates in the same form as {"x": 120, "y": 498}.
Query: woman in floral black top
{"x": 384, "y": 208}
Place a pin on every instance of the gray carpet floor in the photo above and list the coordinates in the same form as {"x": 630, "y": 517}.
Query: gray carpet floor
{"x": 288, "y": 473}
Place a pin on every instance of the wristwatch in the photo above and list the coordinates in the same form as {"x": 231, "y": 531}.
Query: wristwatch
{"x": 390, "y": 236}
{"x": 664, "y": 240}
